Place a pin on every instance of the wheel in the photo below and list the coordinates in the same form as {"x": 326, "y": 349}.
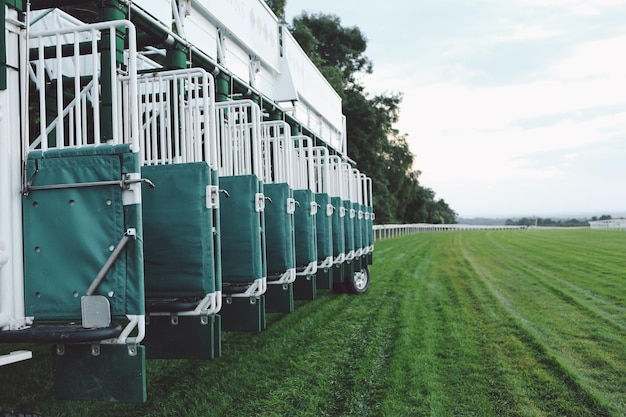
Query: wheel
{"x": 359, "y": 282}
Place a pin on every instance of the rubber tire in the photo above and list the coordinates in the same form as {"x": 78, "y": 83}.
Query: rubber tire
{"x": 359, "y": 282}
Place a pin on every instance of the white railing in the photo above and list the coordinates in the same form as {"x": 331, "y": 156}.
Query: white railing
{"x": 77, "y": 87}
{"x": 336, "y": 183}
{"x": 386, "y": 231}
{"x": 321, "y": 169}
{"x": 304, "y": 174}
{"x": 239, "y": 136}
{"x": 277, "y": 153}
{"x": 177, "y": 117}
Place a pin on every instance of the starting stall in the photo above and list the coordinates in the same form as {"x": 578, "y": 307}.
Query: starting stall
{"x": 166, "y": 174}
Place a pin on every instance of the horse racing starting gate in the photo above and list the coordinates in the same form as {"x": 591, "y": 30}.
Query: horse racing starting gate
{"x": 168, "y": 171}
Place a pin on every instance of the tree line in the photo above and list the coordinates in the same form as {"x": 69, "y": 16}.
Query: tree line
{"x": 381, "y": 151}
{"x": 547, "y": 222}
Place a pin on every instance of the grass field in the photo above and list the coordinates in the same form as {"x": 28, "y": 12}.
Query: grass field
{"x": 502, "y": 323}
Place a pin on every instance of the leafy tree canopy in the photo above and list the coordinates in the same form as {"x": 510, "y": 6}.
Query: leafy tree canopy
{"x": 278, "y": 7}
{"x": 380, "y": 150}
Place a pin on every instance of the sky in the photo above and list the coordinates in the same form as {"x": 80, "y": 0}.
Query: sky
{"x": 512, "y": 108}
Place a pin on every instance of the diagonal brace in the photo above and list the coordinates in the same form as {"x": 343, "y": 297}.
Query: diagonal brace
{"x": 112, "y": 258}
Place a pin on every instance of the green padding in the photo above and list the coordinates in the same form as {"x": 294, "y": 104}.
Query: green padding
{"x": 241, "y": 230}
{"x": 178, "y": 231}
{"x": 135, "y": 286}
{"x": 279, "y": 229}
{"x": 365, "y": 224}
{"x": 217, "y": 243}
{"x": 339, "y": 239}
{"x": 16, "y": 4}
{"x": 324, "y": 228}
{"x": 349, "y": 226}
{"x": 306, "y": 237}
{"x": 69, "y": 234}
{"x": 358, "y": 225}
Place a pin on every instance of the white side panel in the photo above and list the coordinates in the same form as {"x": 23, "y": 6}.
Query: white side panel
{"x": 318, "y": 105}
{"x": 237, "y": 60}
{"x": 11, "y": 259}
{"x": 201, "y": 33}
{"x": 160, "y": 9}
{"x": 265, "y": 82}
{"x": 248, "y": 22}
{"x": 311, "y": 85}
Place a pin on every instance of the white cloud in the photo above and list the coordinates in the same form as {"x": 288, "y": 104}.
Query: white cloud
{"x": 522, "y": 141}
{"x": 522, "y": 32}
{"x": 602, "y": 58}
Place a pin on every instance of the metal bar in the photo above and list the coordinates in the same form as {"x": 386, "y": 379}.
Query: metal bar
{"x": 95, "y": 91}
{"x": 109, "y": 263}
{"x": 17, "y": 356}
{"x": 60, "y": 139}
{"x": 41, "y": 82}
{"x": 125, "y": 183}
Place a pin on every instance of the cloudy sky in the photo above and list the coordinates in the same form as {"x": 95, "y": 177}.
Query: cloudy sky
{"x": 513, "y": 107}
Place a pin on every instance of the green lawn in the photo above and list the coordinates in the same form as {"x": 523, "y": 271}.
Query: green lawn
{"x": 502, "y": 323}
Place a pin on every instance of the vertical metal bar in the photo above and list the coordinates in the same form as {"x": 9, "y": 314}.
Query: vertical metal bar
{"x": 161, "y": 120}
{"x": 174, "y": 112}
{"x": 59, "y": 104}
{"x": 153, "y": 124}
{"x": 158, "y": 110}
{"x": 113, "y": 73}
{"x": 213, "y": 140}
{"x": 95, "y": 89}
{"x": 78, "y": 116}
{"x": 43, "y": 123}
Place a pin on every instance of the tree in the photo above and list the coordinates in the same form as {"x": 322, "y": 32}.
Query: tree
{"x": 337, "y": 51}
{"x": 278, "y": 7}
{"x": 381, "y": 151}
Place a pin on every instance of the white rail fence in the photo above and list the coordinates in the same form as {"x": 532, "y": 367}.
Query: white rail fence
{"x": 387, "y": 231}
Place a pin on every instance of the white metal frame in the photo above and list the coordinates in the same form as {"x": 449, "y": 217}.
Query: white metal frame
{"x": 239, "y": 136}
{"x": 366, "y": 190}
{"x": 278, "y": 165}
{"x": 239, "y": 152}
{"x": 178, "y": 124}
{"x": 77, "y": 114}
{"x": 321, "y": 183}
{"x": 277, "y": 153}
{"x": 13, "y": 125}
{"x": 304, "y": 172}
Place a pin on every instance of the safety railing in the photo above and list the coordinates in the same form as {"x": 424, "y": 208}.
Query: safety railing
{"x": 304, "y": 174}
{"x": 277, "y": 153}
{"x": 177, "y": 110}
{"x": 277, "y": 161}
{"x": 387, "y": 231}
{"x": 239, "y": 134}
{"x": 68, "y": 71}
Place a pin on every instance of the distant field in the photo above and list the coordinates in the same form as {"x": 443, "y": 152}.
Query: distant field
{"x": 502, "y": 323}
